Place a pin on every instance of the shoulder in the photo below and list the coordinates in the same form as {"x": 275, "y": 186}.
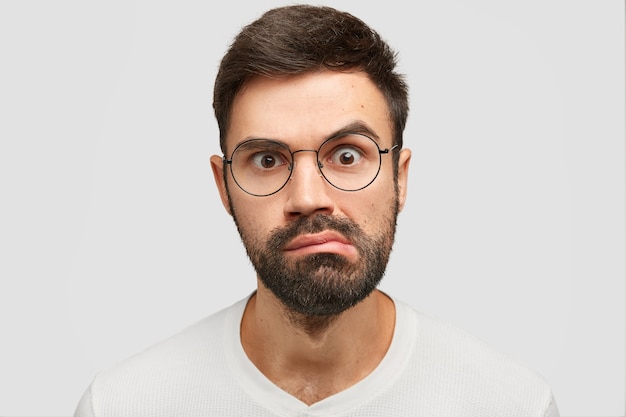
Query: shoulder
{"x": 195, "y": 358}
{"x": 448, "y": 357}
{"x": 192, "y": 343}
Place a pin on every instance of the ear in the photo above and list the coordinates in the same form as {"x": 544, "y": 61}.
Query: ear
{"x": 217, "y": 166}
{"x": 403, "y": 176}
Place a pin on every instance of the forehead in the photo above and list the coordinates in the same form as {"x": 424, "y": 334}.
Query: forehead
{"x": 306, "y": 109}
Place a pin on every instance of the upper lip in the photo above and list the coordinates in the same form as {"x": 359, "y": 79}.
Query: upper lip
{"x": 315, "y": 239}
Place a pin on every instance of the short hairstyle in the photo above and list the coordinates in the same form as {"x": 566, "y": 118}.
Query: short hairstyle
{"x": 298, "y": 39}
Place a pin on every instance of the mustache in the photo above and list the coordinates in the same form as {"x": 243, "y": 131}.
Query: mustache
{"x": 279, "y": 237}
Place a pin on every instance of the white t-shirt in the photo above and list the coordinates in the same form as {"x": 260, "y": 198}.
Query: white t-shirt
{"x": 431, "y": 369}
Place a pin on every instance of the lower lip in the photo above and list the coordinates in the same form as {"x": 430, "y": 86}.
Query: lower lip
{"x": 333, "y": 247}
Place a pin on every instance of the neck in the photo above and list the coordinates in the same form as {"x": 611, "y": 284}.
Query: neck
{"x": 314, "y": 327}
{"x": 315, "y": 357}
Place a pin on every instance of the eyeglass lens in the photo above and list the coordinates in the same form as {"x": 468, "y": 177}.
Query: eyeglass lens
{"x": 262, "y": 167}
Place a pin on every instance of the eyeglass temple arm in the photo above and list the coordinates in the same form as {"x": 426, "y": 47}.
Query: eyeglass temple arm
{"x": 383, "y": 151}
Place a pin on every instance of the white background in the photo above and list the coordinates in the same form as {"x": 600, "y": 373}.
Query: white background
{"x": 112, "y": 236}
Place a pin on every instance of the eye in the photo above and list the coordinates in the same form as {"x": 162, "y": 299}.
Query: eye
{"x": 345, "y": 155}
{"x": 267, "y": 160}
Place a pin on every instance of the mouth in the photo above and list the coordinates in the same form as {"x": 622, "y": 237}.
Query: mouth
{"x": 324, "y": 242}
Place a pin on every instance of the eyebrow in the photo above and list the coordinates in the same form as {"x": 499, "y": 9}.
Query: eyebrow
{"x": 356, "y": 126}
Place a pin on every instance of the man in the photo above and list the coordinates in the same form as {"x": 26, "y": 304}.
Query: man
{"x": 311, "y": 116}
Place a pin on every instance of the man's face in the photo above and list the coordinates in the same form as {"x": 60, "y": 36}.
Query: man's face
{"x": 318, "y": 249}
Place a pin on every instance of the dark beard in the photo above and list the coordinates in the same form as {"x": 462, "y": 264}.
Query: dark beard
{"x": 317, "y": 288}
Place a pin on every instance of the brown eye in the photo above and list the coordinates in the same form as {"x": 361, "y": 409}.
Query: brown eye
{"x": 346, "y": 156}
{"x": 267, "y": 160}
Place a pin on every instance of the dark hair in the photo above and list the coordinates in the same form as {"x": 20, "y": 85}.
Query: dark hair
{"x": 301, "y": 38}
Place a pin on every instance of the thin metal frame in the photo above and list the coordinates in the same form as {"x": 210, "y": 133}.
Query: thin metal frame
{"x": 319, "y": 163}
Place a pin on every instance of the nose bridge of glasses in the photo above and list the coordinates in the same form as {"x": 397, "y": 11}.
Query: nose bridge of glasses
{"x": 317, "y": 160}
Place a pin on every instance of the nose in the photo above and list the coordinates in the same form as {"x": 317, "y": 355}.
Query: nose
{"x": 307, "y": 188}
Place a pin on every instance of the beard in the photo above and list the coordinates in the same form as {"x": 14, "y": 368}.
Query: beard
{"x": 316, "y": 288}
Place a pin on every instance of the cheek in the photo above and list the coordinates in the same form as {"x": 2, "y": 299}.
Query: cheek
{"x": 371, "y": 207}
{"x": 255, "y": 218}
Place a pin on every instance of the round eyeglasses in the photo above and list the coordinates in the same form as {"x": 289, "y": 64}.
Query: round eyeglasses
{"x": 348, "y": 162}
